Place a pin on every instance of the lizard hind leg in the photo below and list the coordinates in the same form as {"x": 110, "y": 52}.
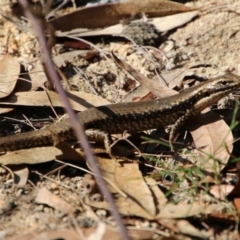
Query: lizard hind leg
{"x": 176, "y": 126}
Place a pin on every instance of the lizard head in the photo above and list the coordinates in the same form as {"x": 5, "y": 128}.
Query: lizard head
{"x": 215, "y": 89}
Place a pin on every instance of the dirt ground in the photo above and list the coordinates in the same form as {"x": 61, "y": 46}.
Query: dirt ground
{"x": 209, "y": 44}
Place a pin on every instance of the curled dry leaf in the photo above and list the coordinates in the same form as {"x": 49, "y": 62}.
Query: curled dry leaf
{"x": 187, "y": 228}
{"x": 9, "y": 73}
{"x": 21, "y": 176}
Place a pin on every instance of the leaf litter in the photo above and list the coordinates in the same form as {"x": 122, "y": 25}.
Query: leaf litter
{"x": 157, "y": 186}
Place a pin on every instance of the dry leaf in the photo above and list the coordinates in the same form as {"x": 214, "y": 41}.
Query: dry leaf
{"x": 21, "y": 176}
{"x": 113, "y": 13}
{"x": 79, "y": 100}
{"x": 236, "y": 202}
{"x": 186, "y": 228}
{"x": 46, "y": 197}
{"x": 9, "y": 73}
{"x": 172, "y": 79}
{"x": 129, "y": 179}
{"x": 66, "y": 234}
{"x": 160, "y": 199}
{"x": 152, "y": 85}
{"x": 107, "y": 167}
{"x": 187, "y": 210}
{"x": 30, "y": 156}
{"x": 38, "y": 76}
{"x": 126, "y": 206}
{"x": 71, "y": 234}
{"x": 98, "y": 233}
{"x": 214, "y": 139}
{"x": 175, "y": 77}
{"x": 163, "y": 24}
{"x": 221, "y": 191}
{"x": 5, "y": 110}
{"x": 41, "y": 155}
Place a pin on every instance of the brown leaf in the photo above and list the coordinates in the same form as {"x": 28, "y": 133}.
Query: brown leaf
{"x": 160, "y": 199}
{"x": 221, "y": 191}
{"x": 164, "y": 24}
{"x": 214, "y": 139}
{"x": 175, "y": 77}
{"x": 108, "y": 170}
{"x": 187, "y": 228}
{"x": 187, "y": 210}
{"x": 5, "y": 110}
{"x": 9, "y": 73}
{"x": 30, "y": 156}
{"x": 46, "y": 197}
{"x": 172, "y": 79}
{"x": 79, "y": 100}
{"x": 152, "y": 85}
{"x": 38, "y": 76}
{"x": 130, "y": 180}
{"x": 236, "y": 202}
{"x": 70, "y": 234}
{"x": 126, "y": 206}
{"x": 41, "y": 155}
{"x": 110, "y": 14}
{"x": 21, "y": 176}
{"x": 66, "y": 234}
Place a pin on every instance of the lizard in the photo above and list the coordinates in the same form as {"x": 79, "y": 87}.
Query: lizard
{"x": 102, "y": 121}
